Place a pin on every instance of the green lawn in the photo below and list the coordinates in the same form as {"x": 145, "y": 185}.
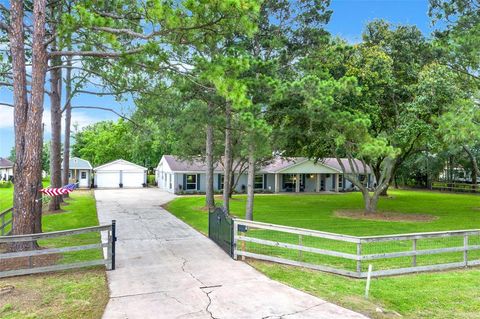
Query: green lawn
{"x": 6, "y": 198}
{"x": 432, "y": 295}
{"x": 60, "y": 295}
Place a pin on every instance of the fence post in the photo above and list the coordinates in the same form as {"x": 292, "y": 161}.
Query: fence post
{"x": 465, "y": 249}
{"x": 414, "y": 261}
{"x": 359, "y": 255}
{"x": 3, "y": 225}
{"x": 235, "y": 235}
{"x": 114, "y": 239}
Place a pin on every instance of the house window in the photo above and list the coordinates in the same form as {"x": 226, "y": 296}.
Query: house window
{"x": 258, "y": 181}
{"x": 191, "y": 181}
{"x": 340, "y": 181}
{"x": 84, "y": 175}
{"x": 222, "y": 180}
{"x": 170, "y": 181}
{"x": 69, "y": 174}
{"x": 289, "y": 181}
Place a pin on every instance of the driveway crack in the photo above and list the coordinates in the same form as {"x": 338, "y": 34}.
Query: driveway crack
{"x": 293, "y": 313}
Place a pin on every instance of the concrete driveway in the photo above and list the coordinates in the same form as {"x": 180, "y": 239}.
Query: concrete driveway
{"x": 166, "y": 269}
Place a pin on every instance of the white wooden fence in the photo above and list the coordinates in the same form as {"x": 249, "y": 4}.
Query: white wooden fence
{"x": 350, "y": 255}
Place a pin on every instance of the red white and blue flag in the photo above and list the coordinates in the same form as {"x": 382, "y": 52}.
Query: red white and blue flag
{"x": 59, "y": 191}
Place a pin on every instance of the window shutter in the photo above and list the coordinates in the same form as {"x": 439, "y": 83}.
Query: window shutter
{"x": 184, "y": 181}
{"x": 264, "y": 181}
{"x": 198, "y": 182}
{"x": 219, "y": 181}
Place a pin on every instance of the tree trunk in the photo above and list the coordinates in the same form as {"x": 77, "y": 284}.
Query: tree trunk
{"x": 228, "y": 158}
{"x": 210, "y": 197}
{"x": 22, "y": 213}
{"x": 250, "y": 182}
{"x": 68, "y": 118}
{"x": 475, "y": 169}
{"x": 371, "y": 202}
{"x": 28, "y": 121}
{"x": 56, "y": 123}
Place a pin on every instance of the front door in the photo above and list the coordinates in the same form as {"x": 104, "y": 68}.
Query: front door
{"x": 83, "y": 179}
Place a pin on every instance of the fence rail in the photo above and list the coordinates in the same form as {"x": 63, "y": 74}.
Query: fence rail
{"x": 5, "y": 221}
{"x": 456, "y": 187}
{"x": 350, "y": 255}
{"x": 106, "y": 250}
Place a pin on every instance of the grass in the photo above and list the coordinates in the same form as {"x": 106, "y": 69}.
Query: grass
{"x": 61, "y": 294}
{"x": 433, "y": 295}
{"x": 6, "y": 198}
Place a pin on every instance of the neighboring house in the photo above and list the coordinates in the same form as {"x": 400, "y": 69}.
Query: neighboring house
{"x": 80, "y": 171}
{"x": 296, "y": 174}
{"x": 456, "y": 174}
{"x": 120, "y": 173}
{"x": 6, "y": 169}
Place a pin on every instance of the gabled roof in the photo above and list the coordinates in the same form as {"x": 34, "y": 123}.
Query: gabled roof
{"x": 5, "y": 163}
{"x": 276, "y": 165}
{"x": 78, "y": 163}
{"x": 120, "y": 161}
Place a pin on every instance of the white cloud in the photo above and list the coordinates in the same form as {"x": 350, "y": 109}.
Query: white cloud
{"x": 6, "y": 117}
{"x": 81, "y": 118}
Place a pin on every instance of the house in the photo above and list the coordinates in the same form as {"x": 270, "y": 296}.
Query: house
{"x": 296, "y": 174}
{"x": 80, "y": 171}
{"x": 6, "y": 169}
{"x": 120, "y": 173}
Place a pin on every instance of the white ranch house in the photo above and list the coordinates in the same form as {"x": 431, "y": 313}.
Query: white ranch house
{"x": 6, "y": 169}
{"x": 80, "y": 171}
{"x": 295, "y": 174}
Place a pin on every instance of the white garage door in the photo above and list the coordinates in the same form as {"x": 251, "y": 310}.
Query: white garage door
{"x": 133, "y": 179}
{"x": 108, "y": 179}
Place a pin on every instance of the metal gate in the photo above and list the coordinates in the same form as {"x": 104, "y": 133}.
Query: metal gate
{"x": 220, "y": 229}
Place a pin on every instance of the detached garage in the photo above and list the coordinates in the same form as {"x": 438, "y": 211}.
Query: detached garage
{"x": 120, "y": 173}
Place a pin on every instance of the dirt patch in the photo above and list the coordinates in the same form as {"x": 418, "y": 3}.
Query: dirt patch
{"x": 385, "y": 216}
{"x": 29, "y": 262}
{"x": 81, "y": 293}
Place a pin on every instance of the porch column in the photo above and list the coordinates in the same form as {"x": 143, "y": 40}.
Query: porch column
{"x": 297, "y": 183}
{"x": 336, "y": 182}
{"x": 317, "y": 187}
{"x": 277, "y": 183}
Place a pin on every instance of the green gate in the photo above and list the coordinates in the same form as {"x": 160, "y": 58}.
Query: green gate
{"x": 220, "y": 229}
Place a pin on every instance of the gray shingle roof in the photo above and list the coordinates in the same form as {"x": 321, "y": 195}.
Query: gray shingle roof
{"x": 78, "y": 163}
{"x": 275, "y": 165}
{"x": 177, "y": 164}
{"x": 5, "y": 163}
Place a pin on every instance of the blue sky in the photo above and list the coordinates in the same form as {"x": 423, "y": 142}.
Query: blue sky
{"x": 348, "y": 20}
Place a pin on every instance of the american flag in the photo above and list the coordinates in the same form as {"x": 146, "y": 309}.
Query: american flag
{"x": 59, "y": 191}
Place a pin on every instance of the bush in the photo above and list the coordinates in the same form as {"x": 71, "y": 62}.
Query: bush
{"x": 4, "y": 184}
